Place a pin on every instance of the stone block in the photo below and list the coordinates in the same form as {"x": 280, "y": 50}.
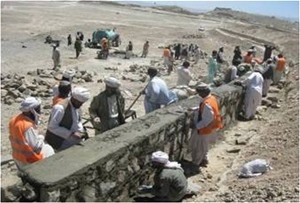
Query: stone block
{"x": 107, "y": 187}
{"x": 233, "y": 150}
{"x": 50, "y": 195}
{"x": 109, "y": 165}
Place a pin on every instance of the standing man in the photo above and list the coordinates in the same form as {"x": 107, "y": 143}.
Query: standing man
{"x": 248, "y": 56}
{"x": 64, "y": 89}
{"x": 220, "y": 58}
{"x": 212, "y": 66}
{"x": 279, "y": 69}
{"x": 177, "y": 51}
{"x": 104, "y": 47}
{"x": 167, "y": 56}
{"x": 157, "y": 93}
{"x": 69, "y": 40}
{"x": 268, "y": 51}
{"x": 253, "y": 95}
{"x": 170, "y": 183}
{"x": 237, "y": 57}
{"x": 207, "y": 120}
{"x": 107, "y": 109}
{"x": 55, "y": 57}
{"x": 129, "y": 49}
{"x": 65, "y": 128}
{"x": 196, "y": 54}
{"x": 268, "y": 76}
{"x": 184, "y": 74}
{"x": 27, "y": 145}
{"x": 78, "y": 46}
{"x": 145, "y": 49}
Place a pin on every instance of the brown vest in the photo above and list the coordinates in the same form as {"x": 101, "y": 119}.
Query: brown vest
{"x": 54, "y": 140}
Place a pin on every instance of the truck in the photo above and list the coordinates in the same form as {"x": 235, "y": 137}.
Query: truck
{"x": 113, "y": 37}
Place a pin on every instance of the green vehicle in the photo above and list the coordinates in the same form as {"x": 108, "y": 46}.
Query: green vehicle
{"x": 113, "y": 37}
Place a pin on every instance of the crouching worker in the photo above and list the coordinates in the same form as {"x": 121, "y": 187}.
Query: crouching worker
{"x": 170, "y": 184}
{"x": 27, "y": 145}
{"x": 65, "y": 128}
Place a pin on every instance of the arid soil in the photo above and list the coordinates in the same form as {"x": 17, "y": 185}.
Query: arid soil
{"x": 273, "y": 135}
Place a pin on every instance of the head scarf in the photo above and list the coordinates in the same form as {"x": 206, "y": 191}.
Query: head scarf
{"x": 163, "y": 158}
{"x": 112, "y": 82}
{"x": 69, "y": 73}
{"x": 80, "y": 94}
{"x": 29, "y": 103}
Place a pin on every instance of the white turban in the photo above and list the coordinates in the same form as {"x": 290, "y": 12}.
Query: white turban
{"x": 29, "y": 103}
{"x": 81, "y": 94}
{"x": 112, "y": 82}
{"x": 160, "y": 157}
{"x": 69, "y": 73}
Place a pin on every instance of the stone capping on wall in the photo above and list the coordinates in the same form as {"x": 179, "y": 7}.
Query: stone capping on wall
{"x": 71, "y": 170}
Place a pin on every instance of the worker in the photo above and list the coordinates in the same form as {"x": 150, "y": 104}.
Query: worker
{"x": 145, "y": 49}
{"x": 157, "y": 92}
{"x": 170, "y": 183}
{"x": 177, "y": 51}
{"x": 248, "y": 56}
{"x": 67, "y": 76}
{"x": 279, "y": 69}
{"x": 184, "y": 74}
{"x": 196, "y": 54}
{"x": 268, "y": 51}
{"x": 167, "y": 56}
{"x": 65, "y": 128}
{"x": 268, "y": 76}
{"x": 207, "y": 121}
{"x": 237, "y": 57}
{"x": 27, "y": 145}
{"x": 64, "y": 90}
{"x": 78, "y": 46}
{"x": 69, "y": 40}
{"x": 107, "y": 109}
{"x": 220, "y": 58}
{"x": 129, "y": 49}
{"x": 55, "y": 57}
{"x": 231, "y": 74}
{"x": 212, "y": 66}
{"x": 253, "y": 94}
{"x": 104, "y": 48}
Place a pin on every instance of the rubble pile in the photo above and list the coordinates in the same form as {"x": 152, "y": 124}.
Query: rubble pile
{"x": 14, "y": 87}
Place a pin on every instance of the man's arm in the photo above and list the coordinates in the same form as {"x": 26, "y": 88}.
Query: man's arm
{"x": 207, "y": 117}
{"x": 34, "y": 140}
{"x": 161, "y": 189}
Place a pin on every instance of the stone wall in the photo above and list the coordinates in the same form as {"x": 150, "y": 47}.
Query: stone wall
{"x": 110, "y": 166}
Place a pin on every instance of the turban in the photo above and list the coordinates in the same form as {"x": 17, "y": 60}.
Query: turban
{"x": 69, "y": 73}
{"x": 112, "y": 82}
{"x": 250, "y": 50}
{"x": 29, "y": 103}
{"x": 64, "y": 83}
{"x": 160, "y": 157}
{"x": 80, "y": 94}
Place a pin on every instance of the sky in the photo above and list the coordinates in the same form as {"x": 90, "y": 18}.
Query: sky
{"x": 286, "y": 9}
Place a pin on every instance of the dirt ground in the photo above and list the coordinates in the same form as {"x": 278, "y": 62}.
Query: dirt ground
{"x": 273, "y": 135}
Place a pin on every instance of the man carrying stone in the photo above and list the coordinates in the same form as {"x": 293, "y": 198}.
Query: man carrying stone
{"x": 207, "y": 121}
{"x": 107, "y": 109}
{"x": 27, "y": 145}
{"x": 65, "y": 128}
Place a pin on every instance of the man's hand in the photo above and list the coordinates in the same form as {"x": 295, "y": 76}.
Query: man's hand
{"x": 77, "y": 135}
{"x": 97, "y": 120}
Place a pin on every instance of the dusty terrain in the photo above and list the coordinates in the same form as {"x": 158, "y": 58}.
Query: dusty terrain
{"x": 273, "y": 135}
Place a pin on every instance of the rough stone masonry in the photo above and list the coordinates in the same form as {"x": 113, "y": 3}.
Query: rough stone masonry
{"x": 110, "y": 166}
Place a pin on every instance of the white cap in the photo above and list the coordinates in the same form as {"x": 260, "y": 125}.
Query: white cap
{"x": 29, "y": 103}
{"x": 69, "y": 73}
{"x": 160, "y": 157}
{"x": 112, "y": 82}
{"x": 81, "y": 94}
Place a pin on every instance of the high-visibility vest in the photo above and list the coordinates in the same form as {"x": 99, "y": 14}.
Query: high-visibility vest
{"x": 280, "y": 64}
{"x": 217, "y": 121}
{"x": 21, "y": 150}
{"x": 248, "y": 58}
{"x": 167, "y": 53}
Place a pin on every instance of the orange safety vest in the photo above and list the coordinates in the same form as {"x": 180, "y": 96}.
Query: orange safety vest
{"x": 56, "y": 100}
{"x": 167, "y": 53}
{"x": 280, "y": 64}
{"x": 217, "y": 121}
{"x": 21, "y": 151}
{"x": 248, "y": 58}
